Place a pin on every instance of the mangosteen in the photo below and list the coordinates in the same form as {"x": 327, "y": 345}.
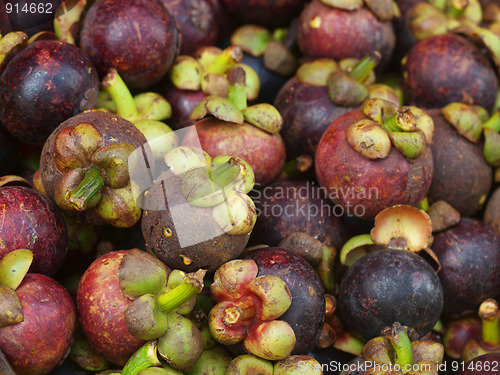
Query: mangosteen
{"x": 461, "y": 177}
{"x": 470, "y": 266}
{"x": 449, "y": 68}
{"x": 43, "y": 85}
{"x": 346, "y": 29}
{"x": 138, "y": 38}
{"x": 197, "y": 23}
{"x": 306, "y": 314}
{"x": 32, "y": 221}
{"x": 366, "y": 167}
{"x": 388, "y": 286}
{"x": 390, "y": 282}
{"x": 285, "y": 207}
{"x": 309, "y": 101}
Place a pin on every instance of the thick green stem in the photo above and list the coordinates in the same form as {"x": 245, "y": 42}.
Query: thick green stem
{"x": 143, "y": 358}
{"x": 488, "y": 312}
{"x": 402, "y": 347}
{"x": 90, "y": 186}
{"x": 119, "y": 92}
{"x": 493, "y": 122}
{"x": 172, "y": 299}
{"x": 237, "y": 90}
{"x": 364, "y": 67}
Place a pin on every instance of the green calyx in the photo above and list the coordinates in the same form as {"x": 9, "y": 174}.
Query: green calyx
{"x": 466, "y": 119}
{"x": 67, "y": 23}
{"x": 491, "y": 129}
{"x": 13, "y": 267}
{"x": 248, "y": 308}
{"x": 347, "y": 86}
{"x": 354, "y": 249}
{"x": 251, "y": 39}
{"x": 249, "y": 364}
{"x": 156, "y": 292}
{"x": 316, "y": 72}
{"x": 10, "y": 45}
{"x": 409, "y": 133}
{"x": 403, "y": 351}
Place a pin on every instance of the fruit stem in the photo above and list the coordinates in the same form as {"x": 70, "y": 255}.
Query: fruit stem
{"x": 225, "y": 60}
{"x": 237, "y": 90}
{"x": 402, "y": 346}
{"x": 143, "y": 358}
{"x": 365, "y": 66}
{"x": 488, "y": 312}
{"x": 192, "y": 285}
{"x": 243, "y": 311}
{"x": 402, "y": 120}
{"x": 91, "y": 185}
{"x": 493, "y": 122}
{"x": 125, "y": 106}
{"x": 457, "y": 8}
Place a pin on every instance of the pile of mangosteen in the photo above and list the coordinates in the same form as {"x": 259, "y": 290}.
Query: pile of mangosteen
{"x": 281, "y": 187}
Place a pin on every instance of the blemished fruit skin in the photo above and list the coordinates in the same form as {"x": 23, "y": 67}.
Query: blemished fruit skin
{"x": 137, "y": 37}
{"x": 470, "y": 266}
{"x": 448, "y": 68}
{"x": 101, "y": 308}
{"x": 31, "y": 221}
{"x": 366, "y": 186}
{"x": 43, "y": 85}
{"x": 42, "y": 340}
{"x": 389, "y": 286}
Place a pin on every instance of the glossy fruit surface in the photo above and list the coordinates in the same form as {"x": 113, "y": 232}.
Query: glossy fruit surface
{"x": 43, "y": 85}
{"x": 470, "y": 266}
{"x": 389, "y": 286}
{"x": 42, "y": 340}
{"x": 31, "y": 221}
{"x": 138, "y": 38}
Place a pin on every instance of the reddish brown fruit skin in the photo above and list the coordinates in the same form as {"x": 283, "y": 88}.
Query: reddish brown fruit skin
{"x": 58, "y": 77}
{"x": 271, "y": 14}
{"x": 386, "y": 182}
{"x": 299, "y": 206}
{"x": 342, "y": 34}
{"x": 101, "y": 307}
{"x": 470, "y": 266}
{"x": 461, "y": 175}
{"x": 39, "y": 343}
{"x": 196, "y": 22}
{"x": 144, "y": 40}
{"x": 307, "y": 112}
{"x": 448, "y": 68}
{"x": 264, "y": 152}
{"x": 31, "y": 221}
{"x": 486, "y": 364}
